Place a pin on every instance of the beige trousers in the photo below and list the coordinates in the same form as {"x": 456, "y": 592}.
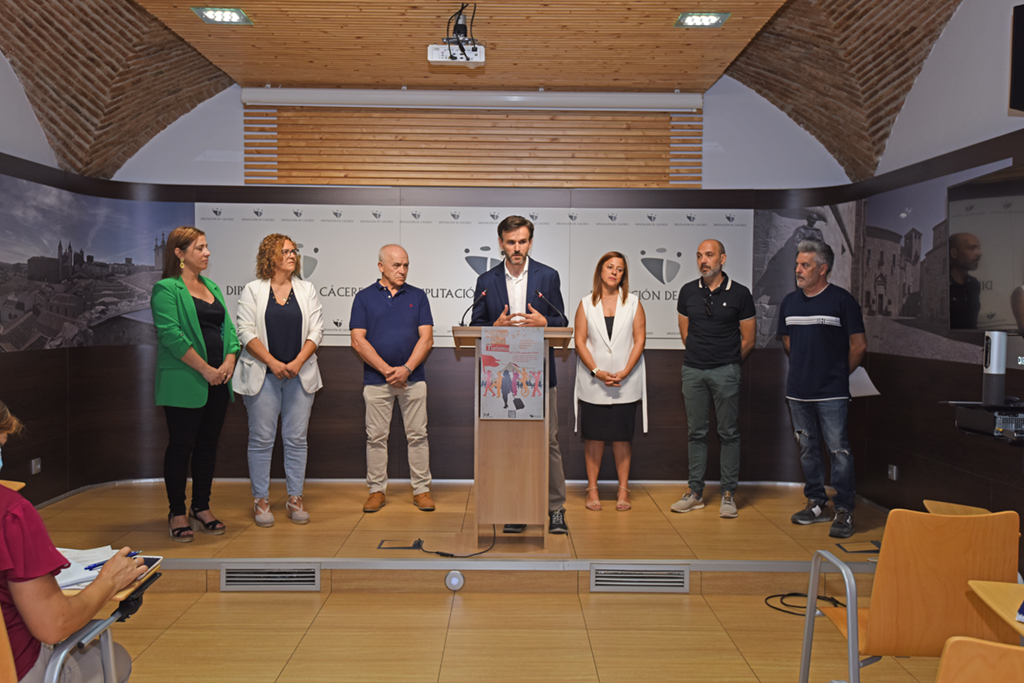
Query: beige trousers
{"x": 380, "y": 402}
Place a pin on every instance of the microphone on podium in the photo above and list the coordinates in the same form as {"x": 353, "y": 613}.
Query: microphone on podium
{"x": 549, "y": 303}
{"x": 462, "y": 322}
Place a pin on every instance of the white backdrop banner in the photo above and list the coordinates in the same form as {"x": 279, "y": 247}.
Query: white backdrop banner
{"x": 450, "y": 246}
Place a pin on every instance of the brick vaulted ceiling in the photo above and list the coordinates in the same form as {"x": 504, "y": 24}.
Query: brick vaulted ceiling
{"x": 843, "y": 68}
{"x": 105, "y": 76}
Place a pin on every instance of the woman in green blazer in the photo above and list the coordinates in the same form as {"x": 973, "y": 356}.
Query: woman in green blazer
{"x": 194, "y": 364}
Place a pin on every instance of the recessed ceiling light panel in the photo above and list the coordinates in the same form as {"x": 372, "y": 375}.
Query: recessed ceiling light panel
{"x": 222, "y": 15}
{"x": 701, "y": 19}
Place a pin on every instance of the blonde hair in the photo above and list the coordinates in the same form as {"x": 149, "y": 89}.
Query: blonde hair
{"x": 8, "y": 423}
{"x": 270, "y": 249}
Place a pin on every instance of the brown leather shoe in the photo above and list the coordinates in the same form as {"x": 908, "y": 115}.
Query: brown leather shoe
{"x": 423, "y": 501}
{"x": 375, "y": 502}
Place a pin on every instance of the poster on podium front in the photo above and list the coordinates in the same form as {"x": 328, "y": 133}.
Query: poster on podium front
{"x": 512, "y": 383}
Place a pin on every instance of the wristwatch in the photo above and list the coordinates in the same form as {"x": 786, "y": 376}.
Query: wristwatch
{"x": 593, "y": 373}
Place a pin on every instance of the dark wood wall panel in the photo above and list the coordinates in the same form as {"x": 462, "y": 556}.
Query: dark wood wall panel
{"x": 34, "y": 386}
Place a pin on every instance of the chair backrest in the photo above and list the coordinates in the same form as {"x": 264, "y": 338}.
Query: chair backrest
{"x": 8, "y": 674}
{"x": 969, "y": 660}
{"x": 940, "y": 507}
{"x": 920, "y": 597}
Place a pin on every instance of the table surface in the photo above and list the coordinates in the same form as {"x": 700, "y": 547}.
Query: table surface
{"x": 1004, "y": 599}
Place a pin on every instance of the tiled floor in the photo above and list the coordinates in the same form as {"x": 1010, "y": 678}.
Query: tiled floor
{"x": 135, "y": 515}
{"x": 479, "y": 637}
{"x": 396, "y": 635}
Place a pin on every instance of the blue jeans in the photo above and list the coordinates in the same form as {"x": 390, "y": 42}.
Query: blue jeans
{"x": 720, "y": 385}
{"x": 814, "y": 422}
{"x": 287, "y": 399}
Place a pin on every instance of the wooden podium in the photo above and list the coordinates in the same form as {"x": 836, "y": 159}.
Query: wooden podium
{"x": 510, "y": 457}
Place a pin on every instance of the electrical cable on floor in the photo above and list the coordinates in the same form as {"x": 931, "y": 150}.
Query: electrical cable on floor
{"x": 494, "y": 538}
{"x": 782, "y": 600}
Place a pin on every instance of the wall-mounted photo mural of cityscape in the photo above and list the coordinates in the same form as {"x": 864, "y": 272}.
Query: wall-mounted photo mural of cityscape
{"x": 77, "y": 270}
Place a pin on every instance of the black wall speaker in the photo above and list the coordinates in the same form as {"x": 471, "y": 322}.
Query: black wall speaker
{"x": 1017, "y": 60}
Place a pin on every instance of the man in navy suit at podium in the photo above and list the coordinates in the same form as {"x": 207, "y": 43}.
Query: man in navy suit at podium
{"x": 524, "y": 293}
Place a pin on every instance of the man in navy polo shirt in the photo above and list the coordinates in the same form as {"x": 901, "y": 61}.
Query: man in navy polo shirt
{"x": 717, "y": 325}
{"x": 392, "y": 331}
{"x": 823, "y": 333}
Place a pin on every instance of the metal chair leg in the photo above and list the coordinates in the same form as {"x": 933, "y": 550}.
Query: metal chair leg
{"x": 852, "y": 645}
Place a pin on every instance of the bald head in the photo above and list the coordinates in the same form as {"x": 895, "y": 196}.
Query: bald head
{"x": 964, "y": 252}
{"x": 710, "y": 259}
{"x": 393, "y": 262}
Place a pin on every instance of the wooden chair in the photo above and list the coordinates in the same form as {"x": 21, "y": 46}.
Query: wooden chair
{"x": 8, "y": 674}
{"x": 969, "y": 660}
{"x": 920, "y": 597}
{"x": 938, "y": 507}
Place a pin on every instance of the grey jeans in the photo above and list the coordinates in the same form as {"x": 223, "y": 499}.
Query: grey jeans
{"x": 721, "y": 386}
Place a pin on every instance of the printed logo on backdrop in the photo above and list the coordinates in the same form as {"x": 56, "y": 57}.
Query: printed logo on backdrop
{"x": 573, "y": 217}
{"x": 258, "y": 213}
{"x": 691, "y": 217}
{"x": 494, "y": 215}
{"x": 456, "y": 219}
{"x": 375, "y": 219}
{"x": 308, "y": 262}
{"x": 217, "y": 215}
{"x": 298, "y": 218}
{"x": 663, "y": 268}
{"x": 481, "y": 263}
{"x": 339, "y": 323}
{"x": 534, "y": 217}
{"x": 337, "y": 213}
{"x": 730, "y": 218}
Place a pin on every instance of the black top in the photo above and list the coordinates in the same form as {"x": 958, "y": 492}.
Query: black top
{"x": 819, "y": 328}
{"x": 609, "y": 321}
{"x": 211, "y": 323}
{"x": 284, "y": 328}
{"x": 964, "y": 303}
{"x": 713, "y": 336}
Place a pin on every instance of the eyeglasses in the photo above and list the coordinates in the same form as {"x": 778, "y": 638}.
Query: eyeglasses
{"x": 707, "y": 304}
{"x": 285, "y": 252}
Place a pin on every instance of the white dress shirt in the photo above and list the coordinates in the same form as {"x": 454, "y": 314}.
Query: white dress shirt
{"x": 517, "y": 288}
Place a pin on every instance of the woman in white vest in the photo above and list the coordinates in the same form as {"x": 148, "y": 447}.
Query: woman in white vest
{"x": 280, "y": 326}
{"x": 611, "y": 331}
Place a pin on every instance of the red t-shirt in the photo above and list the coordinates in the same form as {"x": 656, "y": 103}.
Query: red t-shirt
{"x": 26, "y": 552}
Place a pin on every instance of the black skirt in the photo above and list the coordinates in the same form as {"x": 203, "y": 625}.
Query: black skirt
{"x": 608, "y": 422}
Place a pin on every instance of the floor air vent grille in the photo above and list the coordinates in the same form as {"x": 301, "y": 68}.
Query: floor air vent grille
{"x": 277, "y": 577}
{"x": 639, "y": 578}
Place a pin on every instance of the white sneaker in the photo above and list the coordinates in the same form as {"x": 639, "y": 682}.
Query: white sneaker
{"x": 728, "y": 507}
{"x": 690, "y": 501}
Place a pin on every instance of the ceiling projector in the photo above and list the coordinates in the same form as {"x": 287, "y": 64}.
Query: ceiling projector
{"x": 452, "y": 55}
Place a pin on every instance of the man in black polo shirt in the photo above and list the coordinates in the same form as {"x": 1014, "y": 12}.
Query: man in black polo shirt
{"x": 717, "y": 326}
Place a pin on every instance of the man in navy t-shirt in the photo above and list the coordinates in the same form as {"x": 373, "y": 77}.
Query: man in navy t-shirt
{"x": 392, "y": 331}
{"x": 823, "y": 332}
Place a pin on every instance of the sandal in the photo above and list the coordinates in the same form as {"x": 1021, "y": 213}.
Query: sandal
{"x": 296, "y": 511}
{"x": 261, "y": 509}
{"x": 594, "y": 505}
{"x": 623, "y": 505}
{"x": 178, "y": 533}
{"x": 214, "y": 527}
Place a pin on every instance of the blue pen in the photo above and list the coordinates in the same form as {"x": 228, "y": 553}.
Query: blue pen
{"x": 97, "y": 565}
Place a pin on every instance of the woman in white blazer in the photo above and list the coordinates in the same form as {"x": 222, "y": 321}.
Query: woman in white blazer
{"x": 280, "y": 325}
{"x": 611, "y": 331}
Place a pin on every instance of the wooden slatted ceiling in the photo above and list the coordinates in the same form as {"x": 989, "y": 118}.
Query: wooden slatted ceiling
{"x": 461, "y": 148}
{"x": 610, "y": 45}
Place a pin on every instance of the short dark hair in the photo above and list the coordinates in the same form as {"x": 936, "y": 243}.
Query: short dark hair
{"x": 514, "y": 223}
{"x": 822, "y": 252}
